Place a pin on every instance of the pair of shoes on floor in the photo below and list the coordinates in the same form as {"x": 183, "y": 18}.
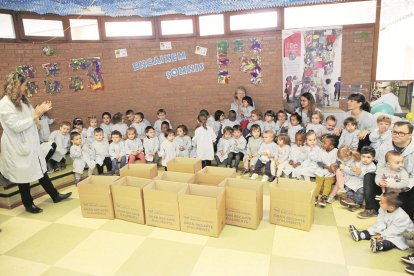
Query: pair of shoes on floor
{"x": 376, "y": 245}
{"x": 410, "y": 261}
{"x": 322, "y": 201}
{"x": 355, "y": 234}
{"x": 348, "y": 202}
{"x": 367, "y": 213}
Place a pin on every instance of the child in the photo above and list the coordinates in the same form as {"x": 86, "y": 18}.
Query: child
{"x": 297, "y": 154}
{"x": 294, "y": 125}
{"x": 354, "y": 178}
{"x": 349, "y": 136}
{"x": 269, "y": 122}
{"x": 78, "y": 127}
{"x": 231, "y": 120}
{"x": 237, "y": 148}
{"x": 281, "y": 158}
{"x": 168, "y": 149}
{"x": 266, "y": 152}
{"x": 161, "y": 115}
{"x": 337, "y": 87}
{"x": 393, "y": 177}
{"x": 133, "y": 147}
{"x": 81, "y": 155}
{"x": 183, "y": 141}
{"x": 44, "y": 131}
{"x": 203, "y": 140}
{"x": 139, "y": 125}
{"x": 316, "y": 124}
{"x": 256, "y": 118}
{"x": 106, "y": 125}
{"x": 327, "y": 88}
{"x": 252, "y": 149}
{"x": 223, "y": 147}
{"x": 117, "y": 151}
{"x": 129, "y": 114}
{"x": 308, "y": 168}
{"x": 210, "y": 119}
{"x": 93, "y": 123}
{"x": 100, "y": 149}
{"x": 164, "y": 127}
{"x": 325, "y": 174}
{"x": 246, "y": 108}
{"x": 392, "y": 221}
{"x": 119, "y": 125}
{"x": 146, "y": 122}
{"x": 151, "y": 145}
{"x": 61, "y": 138}
{"x": 282, "y": 123}
{"x": 382, "y": 133}
{"x": 218, "y": 124}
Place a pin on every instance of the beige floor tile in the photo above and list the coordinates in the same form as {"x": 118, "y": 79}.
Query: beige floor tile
{"x": 126, "y": 227}
{"x": 75, "y": 218}
{"x": 102, "y": 253}
{"x": 12, "y": 212}
{"x": 266, "y": 207}
{"x": 344, "y": 218}
{"x": 12, "y": 266}
{"x": 16, "y": 230}
{"x": 161, "y": 257}
{"x": 56, "y": 271}
{"x": 362, "y": 271}
{"x": 321, "y": 244}
{"x": 177, "y": 236}
{"x": 226, "y": 262}
{"x": 53, "y": 211}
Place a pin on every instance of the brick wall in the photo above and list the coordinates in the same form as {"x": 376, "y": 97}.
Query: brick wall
{"x": 148, "y": 89}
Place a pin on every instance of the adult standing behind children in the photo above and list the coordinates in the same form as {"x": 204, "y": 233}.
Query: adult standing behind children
{"x": 21, "y": 160}
{"x": 306, "y": 108}
{"x": 237, "y": 103}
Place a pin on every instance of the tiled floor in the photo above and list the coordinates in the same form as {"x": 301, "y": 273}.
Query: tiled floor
{"x": 60, "y": 242}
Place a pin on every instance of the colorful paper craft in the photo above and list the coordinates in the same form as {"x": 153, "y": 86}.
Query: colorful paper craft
{"x": 75, "y": 83}
{"x": 51, "y": 69}
{"x": 32, "y": 88}
{"x": 53, "y": 87}
{"x": 27, "y": 70}
{"x": 223, "y": 77}
{"x": 94, "y": 71}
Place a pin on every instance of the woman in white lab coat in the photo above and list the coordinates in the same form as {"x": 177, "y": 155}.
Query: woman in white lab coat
{"x": 21, "y": 160}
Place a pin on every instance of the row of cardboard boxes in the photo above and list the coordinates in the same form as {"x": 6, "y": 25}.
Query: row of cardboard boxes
{"x": 200, "y": 202}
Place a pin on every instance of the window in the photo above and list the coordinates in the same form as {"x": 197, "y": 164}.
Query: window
{"x": 43, "y": 27}
{"x": 330, "y": 15}
{"x": 257, "y": 20}
{"x": 84, "y": 29}
{"x": 128, "y": 28}
{"x": 177, "y": 27}
{"x": 396, "y": 42}
{"x": 211, "y": 24}
{"x": 7, "y": 26}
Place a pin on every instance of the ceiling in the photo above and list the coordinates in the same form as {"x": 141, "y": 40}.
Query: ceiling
{"x": 146, "y": 8}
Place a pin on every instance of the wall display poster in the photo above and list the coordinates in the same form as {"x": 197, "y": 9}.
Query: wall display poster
{"x": 51, "y": 69}
{"x": 312, "y": 63}
{"x": 202, "y": 51}
{"x": 223, "y": 61}
{"x": 75, "y": 83}
{"x": 53, "y": 87}
{"x": 165, "y": 45}
{"x": 238, "y": 45}
{"x": 119, "y": 53}
{"x": 93, "y": 69}
{"x": 27, "y": 70}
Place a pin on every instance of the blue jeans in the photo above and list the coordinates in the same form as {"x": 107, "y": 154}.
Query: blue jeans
{"x": 115, "y": 164}
{"x": 357, "y": 196}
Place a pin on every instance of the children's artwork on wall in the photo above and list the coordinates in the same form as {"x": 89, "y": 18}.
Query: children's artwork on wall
{"x": 94, "y": 71}
{"x": 312, "y": 63}
{"x": 27, "y": 70}
{"x": 32, "y": 88}
{"x": 165, "y": 45}
{"x": 51, "y": 69}
{"x": 251, "y": 62}
{"x": 119, "y": 53}
{"x": 202, "y": 51}
{"x": 223, "y": 61}
{"x": 76, "y": 83}
{"x": 53, "y": 87}
{"x": 49, "y": 50}
{"x": 256, "y": 44}
{"x": 238, "y": 45}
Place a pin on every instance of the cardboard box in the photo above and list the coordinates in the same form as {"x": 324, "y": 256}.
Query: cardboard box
{"x": 176, "y": 177}
{"x": 292, "y": 203}
{"x": 202, "y": 210}
{"x": 161, "y": 203}
{"x": 140, "y": 170}
{"x": 244, "y": 202}
{"x": 95, "y": 196}
{"x": 128, "y": 198}
{"x": 213, "y": 176}
{"x": 185, "y": 165}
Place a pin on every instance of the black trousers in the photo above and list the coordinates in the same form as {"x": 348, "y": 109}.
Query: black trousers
{"x": 205, "y": 163}
{"x": 108, "y": 163}
{"x": 386, "y": 244}
{"x": 24, "y": 189}
{"x": 51, "y": 151}
{"x": 364, "y": 142}
{"x": 259, "y": 166}
{"x": 237, "y": 157}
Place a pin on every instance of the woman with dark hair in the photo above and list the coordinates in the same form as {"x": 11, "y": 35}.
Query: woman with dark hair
{"x": 306, "y": 108}
{"x": 21, "y": 160}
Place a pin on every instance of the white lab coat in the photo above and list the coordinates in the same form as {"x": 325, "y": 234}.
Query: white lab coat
{"x": 168, "y": 151}
{"x": 21, "y": 160}
{"x": 44, "y": 131}
{"x": 81, "y": 156}
{"x": 203, "y": 139}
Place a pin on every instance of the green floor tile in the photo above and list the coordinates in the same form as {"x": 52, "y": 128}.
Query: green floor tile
{"x": 53, "y": 211}
{"x": 160, "y": 257}
{"x": 238, "y": 238}
{"x": 299, "y": 267}
{"x": 360, "y": 254}
{"x": 126, "y": 227}
{"x": 56, "y": 271}
{"x": 325, "y": 216}
{"x": 50, "y": 244}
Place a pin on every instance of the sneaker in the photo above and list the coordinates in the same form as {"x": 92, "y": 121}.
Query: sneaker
{"x": 50, "y": 170}
{"x": 330, "y": 199}
{"x": 271, "y": 179}
{"x": 376, "y": 245}
{"x": 354, "y": 233}
{"x": 243, "y": 172}
{"x": 367, "y": 214}
{"x": 265, "y": 178}
{"x": 322, "y": 201}
{"x": 408, "y": 235}
{"x": 254, "y": 176}
{"x": 410, "y": 269}
{"x": 408, "y": 259}
{"x": 354, "y": 208}
{"x": 347, "y": 202}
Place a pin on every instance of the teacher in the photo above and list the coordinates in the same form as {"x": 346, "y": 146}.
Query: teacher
{"x": 21, "y": 160}
{"x": 236, "y": 105}
{"x": 307, "y": 107}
